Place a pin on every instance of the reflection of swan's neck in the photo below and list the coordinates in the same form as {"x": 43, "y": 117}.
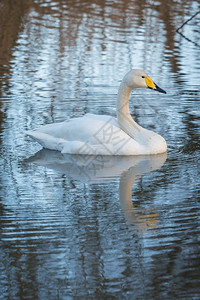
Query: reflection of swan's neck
{"x": 125, "y": 120}
{"x": 143, "y": 221}
{"x": 125, "y": 189}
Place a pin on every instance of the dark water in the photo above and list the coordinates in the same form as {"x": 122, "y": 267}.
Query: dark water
{"x": 99, "y": 228}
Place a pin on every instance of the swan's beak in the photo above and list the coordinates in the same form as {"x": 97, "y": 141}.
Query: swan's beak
{"x": 151, "y": 85}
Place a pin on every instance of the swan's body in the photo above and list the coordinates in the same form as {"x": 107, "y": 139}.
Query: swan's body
{"x": 102, "y": 134}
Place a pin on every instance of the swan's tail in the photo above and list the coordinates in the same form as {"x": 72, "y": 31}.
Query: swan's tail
{"x": 44, "y": 139}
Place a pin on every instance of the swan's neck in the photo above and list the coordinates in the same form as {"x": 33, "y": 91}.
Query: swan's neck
{"x": 125, "y": 120}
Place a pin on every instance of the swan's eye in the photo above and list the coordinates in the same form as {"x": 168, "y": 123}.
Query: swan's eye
{"x": 143, "y": 76}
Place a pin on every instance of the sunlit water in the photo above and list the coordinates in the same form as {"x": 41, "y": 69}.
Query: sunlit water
{"x": 77, "y": 227}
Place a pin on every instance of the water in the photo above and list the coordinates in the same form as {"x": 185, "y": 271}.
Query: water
{"x": 98, "y": 228}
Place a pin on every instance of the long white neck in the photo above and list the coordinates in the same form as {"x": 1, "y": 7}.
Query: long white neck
{"x": 125, "y": 120}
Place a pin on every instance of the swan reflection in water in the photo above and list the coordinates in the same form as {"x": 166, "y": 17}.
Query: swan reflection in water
{"x": 100, "y": 169}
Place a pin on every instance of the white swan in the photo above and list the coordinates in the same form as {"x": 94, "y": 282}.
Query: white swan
{"x": 103, "y": 134}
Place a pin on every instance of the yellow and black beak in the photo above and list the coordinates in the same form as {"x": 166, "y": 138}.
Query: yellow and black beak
{"x": 151, "y": 85}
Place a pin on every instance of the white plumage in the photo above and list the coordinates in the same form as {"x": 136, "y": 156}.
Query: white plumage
{"x": 102, "y": 134}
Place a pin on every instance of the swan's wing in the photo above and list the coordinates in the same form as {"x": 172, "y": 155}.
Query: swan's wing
{"x": 90, "y": 134}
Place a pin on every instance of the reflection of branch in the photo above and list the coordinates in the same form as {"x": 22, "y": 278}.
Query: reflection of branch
{"x": 178, "y": 30}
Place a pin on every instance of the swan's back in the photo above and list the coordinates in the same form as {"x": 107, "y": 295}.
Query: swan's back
{"x": 92, "y": 135}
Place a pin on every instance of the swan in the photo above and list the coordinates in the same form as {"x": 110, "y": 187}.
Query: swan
{"x": 102, "y": 134}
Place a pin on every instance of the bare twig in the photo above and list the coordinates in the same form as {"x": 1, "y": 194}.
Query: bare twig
{"x": 178, "y": 30}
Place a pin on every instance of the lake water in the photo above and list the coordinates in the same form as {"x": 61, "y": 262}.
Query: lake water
{"x": 79, "y": 227}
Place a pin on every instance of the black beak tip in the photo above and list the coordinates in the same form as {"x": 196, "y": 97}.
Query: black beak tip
{"x": 158, "y": 89}
{"x": 164, "y": 92}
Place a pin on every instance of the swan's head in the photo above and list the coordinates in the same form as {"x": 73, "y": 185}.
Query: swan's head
{"x": 139, "y": 79}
